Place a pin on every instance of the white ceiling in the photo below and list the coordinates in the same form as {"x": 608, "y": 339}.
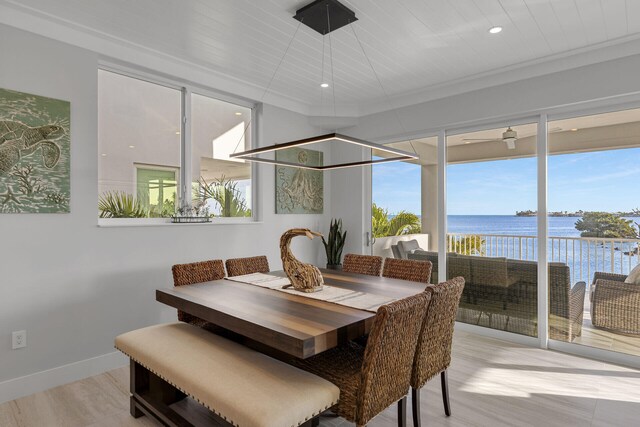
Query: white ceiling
{"x": 413, "y": 44}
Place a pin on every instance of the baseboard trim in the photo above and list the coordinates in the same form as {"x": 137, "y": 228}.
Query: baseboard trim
{"x": 44, "y": 380}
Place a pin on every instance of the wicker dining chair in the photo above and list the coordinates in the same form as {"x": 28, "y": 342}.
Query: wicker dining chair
{"x": 407, "y": 269}
{"x": 374, "y": 377}
{"x": 196, "y": 272}
{"x": 433, "y": 351}
{"x": 362, "y": 264}
{"x": 242, "y": 266}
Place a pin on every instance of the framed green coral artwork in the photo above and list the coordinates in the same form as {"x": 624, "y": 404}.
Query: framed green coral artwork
{"x": 299, "y": 191}
{"x": 35, "y": 153}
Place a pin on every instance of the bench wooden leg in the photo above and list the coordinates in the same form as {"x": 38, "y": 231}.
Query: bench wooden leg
{"x": 150, "y": 394}
{"x": 138, "y": 382}
{"x": 313, "y": 422}
{"x": 134, "y": 409}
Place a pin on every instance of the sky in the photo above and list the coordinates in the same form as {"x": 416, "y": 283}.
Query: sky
{"x": 596, "y": 181}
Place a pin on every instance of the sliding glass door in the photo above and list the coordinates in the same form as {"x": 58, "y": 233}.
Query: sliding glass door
{"x": 594, "y": 211}
{"x": 491, "y": 236}
{"x": 584, "y": 175}
{"x": 404, "y": 201}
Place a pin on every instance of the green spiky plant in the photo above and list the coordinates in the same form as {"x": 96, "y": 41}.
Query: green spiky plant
{"x": 118, "y": 204}
{"x": 335, "y": 243}
{"x": 225, "y": 192}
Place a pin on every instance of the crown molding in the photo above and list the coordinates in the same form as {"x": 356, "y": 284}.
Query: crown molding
{"x": 117, "y": 50}
{"x": 112, "y": 48}
{"x": 590, "y": 55}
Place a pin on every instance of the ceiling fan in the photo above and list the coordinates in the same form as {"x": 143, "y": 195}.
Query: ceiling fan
{"x": 509, "y": 136}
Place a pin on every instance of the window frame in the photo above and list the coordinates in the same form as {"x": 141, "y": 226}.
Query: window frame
{"x": 185, "y": 166}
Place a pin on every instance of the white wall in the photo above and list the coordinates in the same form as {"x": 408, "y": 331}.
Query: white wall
{"x": 348, "y": 198}
{"x": 74, "y": 286}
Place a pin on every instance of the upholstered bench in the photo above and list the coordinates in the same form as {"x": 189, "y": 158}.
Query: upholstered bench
{"x": 239, "y": 386}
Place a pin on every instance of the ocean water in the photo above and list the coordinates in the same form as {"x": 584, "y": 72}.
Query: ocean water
{"x": 583, "y": 257}
{"x": 511, "y": 224}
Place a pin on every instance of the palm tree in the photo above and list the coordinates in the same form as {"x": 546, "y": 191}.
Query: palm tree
{"x": 468, "y": 245}
{"x": 402, "y": 223}
{"x": 379, "y": 221}
{"x": 226, "y": 194}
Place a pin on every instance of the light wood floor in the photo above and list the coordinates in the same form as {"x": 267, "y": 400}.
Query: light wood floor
{"x": 493, "y": 383}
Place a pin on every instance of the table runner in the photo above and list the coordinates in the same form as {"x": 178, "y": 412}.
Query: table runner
{"x": 349, "y": 298}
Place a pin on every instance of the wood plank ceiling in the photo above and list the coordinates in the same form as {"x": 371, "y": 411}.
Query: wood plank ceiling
{"x": 412, "y": 44}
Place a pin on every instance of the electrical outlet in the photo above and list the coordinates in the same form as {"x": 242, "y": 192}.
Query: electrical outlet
{"x": 19, "y": 339}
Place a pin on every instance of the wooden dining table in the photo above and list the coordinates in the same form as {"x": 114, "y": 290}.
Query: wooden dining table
{"x": 291, "y": 324}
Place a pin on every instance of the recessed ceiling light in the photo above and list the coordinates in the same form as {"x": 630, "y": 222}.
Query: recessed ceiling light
{"x": 324, "y": 85}
{"x": 238, "y": 113}
{"x": 177, "y": 132}
{"x": 103, "y": 155}
{"x": 574, "y": 130}
{"x": 467, "y": 142}
{"x": 495, "y": 30}
{"x": 132, "y": 146}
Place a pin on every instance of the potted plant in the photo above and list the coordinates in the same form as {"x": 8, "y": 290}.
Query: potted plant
{"x": 334, "y": 244}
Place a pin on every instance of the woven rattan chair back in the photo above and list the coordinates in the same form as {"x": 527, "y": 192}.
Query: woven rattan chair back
{"x": 407, "y": 269}
{"x": 389, "y": 355}
{"x": 433, "y": 352}
{"x": 362, "y": 264}
{"x": 242, "y": 266}
{"x": 196, "y": 272}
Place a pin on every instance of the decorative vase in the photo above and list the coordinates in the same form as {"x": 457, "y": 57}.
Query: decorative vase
{"x": 304, "y": 277}
{"x": 334, "y": 266}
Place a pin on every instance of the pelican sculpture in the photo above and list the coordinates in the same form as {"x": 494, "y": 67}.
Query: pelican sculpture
{"x": 304, "y": 277}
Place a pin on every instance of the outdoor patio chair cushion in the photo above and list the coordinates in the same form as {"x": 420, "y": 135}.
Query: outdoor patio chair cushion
{"x": 395, "y": 251}
{"x": 634, "y": 276}
{"x": 407, "y": 247}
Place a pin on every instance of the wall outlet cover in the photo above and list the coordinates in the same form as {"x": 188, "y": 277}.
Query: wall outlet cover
{"x": 18, "y": 339}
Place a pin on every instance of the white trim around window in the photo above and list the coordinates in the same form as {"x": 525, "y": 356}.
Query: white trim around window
{"x": 185, "y": 168}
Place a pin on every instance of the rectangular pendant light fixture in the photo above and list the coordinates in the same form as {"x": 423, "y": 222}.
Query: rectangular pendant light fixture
{"x": 252, "y": 155}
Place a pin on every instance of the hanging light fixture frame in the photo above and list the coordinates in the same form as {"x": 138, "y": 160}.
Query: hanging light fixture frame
{"x": 325, "y": 16}
{"x": 253, "y": 155}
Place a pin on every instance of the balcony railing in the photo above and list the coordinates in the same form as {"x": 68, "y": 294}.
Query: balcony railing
{"x": 584, "y": 255}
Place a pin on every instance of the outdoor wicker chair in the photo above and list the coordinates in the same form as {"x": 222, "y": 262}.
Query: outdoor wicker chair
{"x": 615, "y": 305}
{"x": 407, "y": 269}
{"x": 242, "y": 266}
{"x": 362, "y": 264}
{"x": 196, "y": 272}
{"x": 433, "y": 351}
{"x": 374, "y": 377}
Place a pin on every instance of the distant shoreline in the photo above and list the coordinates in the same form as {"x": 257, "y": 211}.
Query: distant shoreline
{"x": 577, "y": 214}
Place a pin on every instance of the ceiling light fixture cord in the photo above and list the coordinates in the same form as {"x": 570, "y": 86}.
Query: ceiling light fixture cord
{"x": 270, "y": 81}
{"x": 333, "y": 84}
{"x": 386, "y": 95}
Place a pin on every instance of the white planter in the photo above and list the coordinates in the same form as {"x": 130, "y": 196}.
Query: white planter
{"x": 382, "y": 246}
